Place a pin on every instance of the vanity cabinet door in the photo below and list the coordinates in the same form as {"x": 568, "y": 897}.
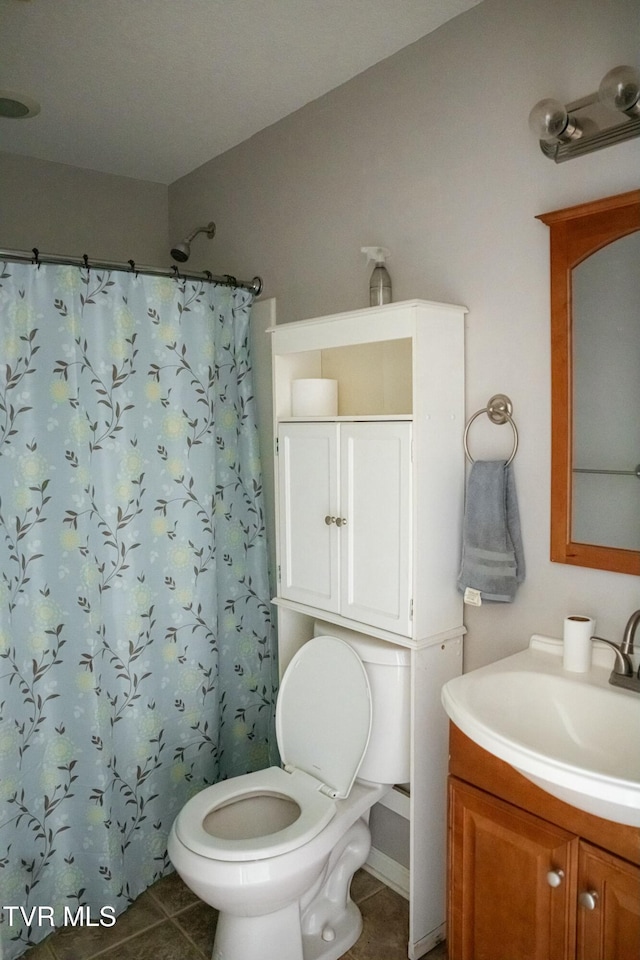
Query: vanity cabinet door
{"x": 501, "y": 860}
{"x": 608, "y": 906}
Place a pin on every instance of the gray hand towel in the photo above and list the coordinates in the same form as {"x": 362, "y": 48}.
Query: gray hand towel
{"x": 492, "y": 553}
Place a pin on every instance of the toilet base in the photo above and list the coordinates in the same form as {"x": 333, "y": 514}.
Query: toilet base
{"x": 277, "y": 936}
{"x": 324, "y": 928}
{"x": 343, "y": 935}
{"x": 331, "y": 922}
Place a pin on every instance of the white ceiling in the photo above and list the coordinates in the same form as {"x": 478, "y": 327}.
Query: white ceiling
{"x": 152, "y": 89}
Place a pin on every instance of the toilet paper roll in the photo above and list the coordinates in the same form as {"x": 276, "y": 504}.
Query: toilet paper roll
{"x": 314, "y": 398}
{"x": 576, "y": 653}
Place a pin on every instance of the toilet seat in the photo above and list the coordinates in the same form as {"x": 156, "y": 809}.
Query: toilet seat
{"x": 323, "y": 714}
{"x": 323, "y": 724}
{"x": 316, "y": 811}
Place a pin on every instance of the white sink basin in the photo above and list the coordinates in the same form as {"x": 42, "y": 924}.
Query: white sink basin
{"x": 572, "y": 734}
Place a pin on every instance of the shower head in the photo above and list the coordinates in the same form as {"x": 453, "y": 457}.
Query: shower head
{"x": 182, "y": 251}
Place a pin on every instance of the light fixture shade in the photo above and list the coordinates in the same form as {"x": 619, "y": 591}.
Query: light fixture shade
{"x": 17, "y": 106}
{"x": 550, "y": 122}
{"x": 620, "y": 90}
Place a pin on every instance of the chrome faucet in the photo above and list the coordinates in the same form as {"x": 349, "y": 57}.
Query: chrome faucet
{"x": 630, "y": 632}
{"x": 622, "y": 673}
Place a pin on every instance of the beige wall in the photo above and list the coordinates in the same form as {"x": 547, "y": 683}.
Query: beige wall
{"x": 429, "y": 154}
{"x": 70, "y": 211}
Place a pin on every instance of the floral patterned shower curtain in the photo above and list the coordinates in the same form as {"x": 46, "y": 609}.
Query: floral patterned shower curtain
{"x": 136, "y": 653}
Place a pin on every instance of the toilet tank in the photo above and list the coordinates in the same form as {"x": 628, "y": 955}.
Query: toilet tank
{"x": 388, "y": 668}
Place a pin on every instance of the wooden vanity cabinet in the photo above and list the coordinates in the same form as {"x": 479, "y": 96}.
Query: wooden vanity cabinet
{"x": 530, "y": 877}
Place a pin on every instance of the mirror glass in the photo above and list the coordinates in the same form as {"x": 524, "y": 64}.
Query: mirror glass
{"x": 595, "y": 383}
{"x": 606, "y": 396}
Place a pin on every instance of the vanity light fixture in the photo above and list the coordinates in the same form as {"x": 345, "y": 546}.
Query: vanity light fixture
{"x": 612, "y": 115}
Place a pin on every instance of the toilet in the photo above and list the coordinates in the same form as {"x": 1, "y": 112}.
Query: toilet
{"x": 275, "y": 851}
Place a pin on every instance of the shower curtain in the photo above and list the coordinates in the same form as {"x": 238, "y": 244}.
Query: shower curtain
{"x": 136, "y": 648}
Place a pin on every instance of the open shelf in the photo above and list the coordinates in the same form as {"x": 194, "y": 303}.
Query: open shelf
{"x": 374, "y": 379}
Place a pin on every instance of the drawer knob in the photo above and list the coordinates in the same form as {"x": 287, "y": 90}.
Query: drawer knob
{"x": 588, "y": 899}
{"x": 555, "y": 877}
{"x": 341, "y": 521}
{"x": 329, "y": 520}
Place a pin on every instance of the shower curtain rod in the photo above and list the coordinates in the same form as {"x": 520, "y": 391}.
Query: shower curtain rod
{"x": 20, "y": 256}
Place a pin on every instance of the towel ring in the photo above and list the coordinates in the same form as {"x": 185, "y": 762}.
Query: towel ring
{"x": 499, "y": 411}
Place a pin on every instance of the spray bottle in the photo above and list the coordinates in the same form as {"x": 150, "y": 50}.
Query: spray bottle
{"x": 380, "y": 283}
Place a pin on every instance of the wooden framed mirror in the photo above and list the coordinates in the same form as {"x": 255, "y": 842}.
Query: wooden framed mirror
{"x": 595, "y": 383}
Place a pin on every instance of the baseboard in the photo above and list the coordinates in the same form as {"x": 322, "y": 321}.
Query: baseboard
{"x": 388, "y": 871}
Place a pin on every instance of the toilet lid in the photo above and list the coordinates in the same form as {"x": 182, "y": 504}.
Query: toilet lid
{"x": 323, "y": 714}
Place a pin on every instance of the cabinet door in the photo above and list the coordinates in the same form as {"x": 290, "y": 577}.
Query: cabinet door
{"x": 502, "y": 906}
{"x": 608, "y": 907}
{"x": 375, "y": 502}
{"x": 308, "y": 492}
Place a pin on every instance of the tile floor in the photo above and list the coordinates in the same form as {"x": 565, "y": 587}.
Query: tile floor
{"x": 169, "y": 923}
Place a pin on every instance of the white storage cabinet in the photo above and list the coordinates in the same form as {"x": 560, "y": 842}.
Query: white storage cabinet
{"x": 369, "y": 509}
{"x": 345, "y": 519}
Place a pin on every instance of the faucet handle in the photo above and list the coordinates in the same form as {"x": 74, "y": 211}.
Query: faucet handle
{"x": 623, "y": 666}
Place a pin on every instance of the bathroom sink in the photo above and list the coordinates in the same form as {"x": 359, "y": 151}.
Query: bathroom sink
{"x": 572, "y": 734}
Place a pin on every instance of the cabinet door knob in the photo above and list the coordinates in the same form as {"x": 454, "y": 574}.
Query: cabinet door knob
{"x": 555, "y": 877}
{"x": 341, "y": 521}
{"x": 329, "y": 520}
{"x": 588, "y": 899}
